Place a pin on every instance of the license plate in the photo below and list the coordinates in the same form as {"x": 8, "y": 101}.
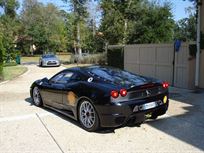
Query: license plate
{"x": 149, "y": 105}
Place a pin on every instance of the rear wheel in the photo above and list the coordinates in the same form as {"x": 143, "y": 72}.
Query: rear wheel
{"x": 88, "y": 116}
{"x": 37, "y": 100}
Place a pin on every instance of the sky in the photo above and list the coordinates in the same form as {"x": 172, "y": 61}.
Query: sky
{"x": 178, "y": 6}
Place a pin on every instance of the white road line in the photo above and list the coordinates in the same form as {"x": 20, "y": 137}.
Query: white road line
{"x": 24, "y": 117}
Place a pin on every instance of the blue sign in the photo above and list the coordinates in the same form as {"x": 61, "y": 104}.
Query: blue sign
{"x": 177, "y": 45}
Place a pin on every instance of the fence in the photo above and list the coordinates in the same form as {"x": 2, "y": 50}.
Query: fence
{"x": 162, "y": 62}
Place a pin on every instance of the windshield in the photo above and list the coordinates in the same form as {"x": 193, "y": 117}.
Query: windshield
{"x": 49, "y": 56}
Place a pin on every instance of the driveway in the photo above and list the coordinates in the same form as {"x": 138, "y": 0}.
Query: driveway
{"x": 25, "y": 128}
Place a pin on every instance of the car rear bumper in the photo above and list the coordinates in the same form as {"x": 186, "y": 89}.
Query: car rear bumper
{"x": 118, "y": 114}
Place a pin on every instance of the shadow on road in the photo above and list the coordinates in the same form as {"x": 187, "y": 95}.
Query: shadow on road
{"x": 76, "y": 123}
{"x": 30, "y": 63}
{"x": 188, "y": 125}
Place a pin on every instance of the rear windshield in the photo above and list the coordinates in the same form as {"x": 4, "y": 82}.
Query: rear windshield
{"x": 115, "y": 75}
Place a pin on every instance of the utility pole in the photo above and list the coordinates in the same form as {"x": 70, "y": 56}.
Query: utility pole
{"x": 197, "y": 73}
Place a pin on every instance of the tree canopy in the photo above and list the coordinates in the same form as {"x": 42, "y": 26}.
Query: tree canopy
{"x": 137, "y": 21}
{"x": 54, "y": 29}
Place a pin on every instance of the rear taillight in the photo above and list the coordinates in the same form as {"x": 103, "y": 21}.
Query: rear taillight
{"x": 114, "y": 94}
{"x": 165, "y": 84}
{"x": 123, "y": 92}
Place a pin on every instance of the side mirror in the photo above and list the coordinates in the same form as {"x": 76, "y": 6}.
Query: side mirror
{"x": 45, "y": 80}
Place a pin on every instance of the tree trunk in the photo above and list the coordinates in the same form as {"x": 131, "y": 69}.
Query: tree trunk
{"x": 78, "y": 40}
{"x": 125, "y": 32}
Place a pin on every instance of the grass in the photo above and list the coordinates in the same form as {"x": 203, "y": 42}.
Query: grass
{"x": 10, "y": 72}
{"x": 62, "y": 57}
{"x": 30, "y": 59}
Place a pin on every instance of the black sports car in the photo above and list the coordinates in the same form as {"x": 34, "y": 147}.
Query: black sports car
{"x": 102, "y": 96}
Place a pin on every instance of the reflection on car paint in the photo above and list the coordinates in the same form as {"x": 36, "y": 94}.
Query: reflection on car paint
{"x": 71, "y": 98}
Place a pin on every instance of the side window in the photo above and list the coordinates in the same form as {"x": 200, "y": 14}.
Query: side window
{"x": 66, "y": 77}
{"x": 62, "y": 77}
{"x": 76, "y": 77}
{"x": 56, "y": 78}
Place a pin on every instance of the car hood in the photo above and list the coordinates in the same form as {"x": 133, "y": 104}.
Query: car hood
{"x": 50, "y": 59}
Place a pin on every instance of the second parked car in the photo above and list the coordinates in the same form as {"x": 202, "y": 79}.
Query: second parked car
{"x": 49, "y": 60}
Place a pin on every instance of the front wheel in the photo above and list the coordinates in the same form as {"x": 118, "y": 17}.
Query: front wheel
{"x": 88, "y": 116}
{"x": 37, "y": 100}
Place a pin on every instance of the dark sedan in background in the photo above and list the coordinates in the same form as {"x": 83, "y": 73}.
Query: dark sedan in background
{"x": 102, "y": 96}
{"x": 49, "y": 60}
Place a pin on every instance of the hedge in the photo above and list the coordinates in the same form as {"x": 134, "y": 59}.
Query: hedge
{"x": 115, "y": 58}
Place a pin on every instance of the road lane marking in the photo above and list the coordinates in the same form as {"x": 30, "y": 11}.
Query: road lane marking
{"x": 53, "y": 138}
{"x": 24, "y": 117}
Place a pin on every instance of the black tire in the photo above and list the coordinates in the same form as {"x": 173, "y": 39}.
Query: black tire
{"x": 92, "y": 116}
{"x": 37, "y": 100}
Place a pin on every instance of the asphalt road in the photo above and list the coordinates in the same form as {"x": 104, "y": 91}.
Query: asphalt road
{"x": 25, "y": 128}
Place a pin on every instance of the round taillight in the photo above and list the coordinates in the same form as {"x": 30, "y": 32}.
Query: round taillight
{"x": 123, "y": 92}
{"x": 114, "y": 94}
{"x": 165, "y": 84}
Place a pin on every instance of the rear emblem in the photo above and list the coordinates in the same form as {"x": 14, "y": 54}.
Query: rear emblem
{"x": 148, "y": 93}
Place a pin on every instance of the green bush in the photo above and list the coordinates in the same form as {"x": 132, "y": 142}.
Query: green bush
{"x": 100, "y": 59}
{"x": 115, "y": 58}
{"x": 10, "y": 64}
{"x": 1, "y": 72}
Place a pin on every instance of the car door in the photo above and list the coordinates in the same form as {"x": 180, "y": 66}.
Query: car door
{"x": 71, "y": 90}
{"x": 53, "y": 93}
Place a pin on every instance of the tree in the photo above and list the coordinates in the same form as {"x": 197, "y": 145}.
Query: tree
{"x": 2, "y": 50}
{"x": 9, "y": 27}
{"x": 80, "y": 14}
{"x": 43, "y": 26}
{"x": 10, "y": 7}
{"x": 185, "y": 29}
{"x": 136, "y": 21}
